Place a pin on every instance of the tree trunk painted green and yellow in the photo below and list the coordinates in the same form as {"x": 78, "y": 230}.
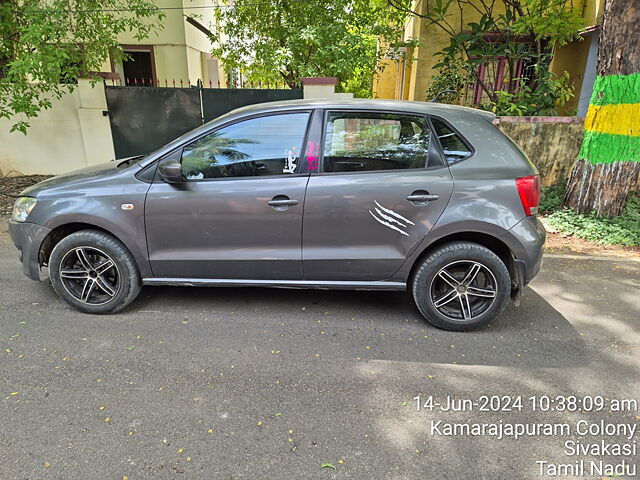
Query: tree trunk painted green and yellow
{"x": 608, "y": 166}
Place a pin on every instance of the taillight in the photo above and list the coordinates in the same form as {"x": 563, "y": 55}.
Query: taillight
{"x": 529, "y": 191}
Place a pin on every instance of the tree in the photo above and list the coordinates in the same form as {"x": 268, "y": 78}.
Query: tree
{"x": 483, "y": 32}
{"x": 285, "y": 40}
{"x": 608, "y": 165}
{"x": 47, "y": 44}
{"x": 210, "y": 149}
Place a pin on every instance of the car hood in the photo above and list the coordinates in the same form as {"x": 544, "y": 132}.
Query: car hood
{"x": 76, "y": 177}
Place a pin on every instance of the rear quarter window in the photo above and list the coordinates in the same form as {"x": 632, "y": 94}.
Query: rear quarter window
{"x": 453, "y": 146}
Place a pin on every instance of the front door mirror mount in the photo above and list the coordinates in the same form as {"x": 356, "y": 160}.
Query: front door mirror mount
{"x": 170, "y": 170}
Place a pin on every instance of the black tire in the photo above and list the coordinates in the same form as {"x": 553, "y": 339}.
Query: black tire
{"x": 81, "y": 275}
{"x": 448, "y": 299}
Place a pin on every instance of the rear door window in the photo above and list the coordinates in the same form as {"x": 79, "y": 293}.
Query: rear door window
{"x": 370, "y": 141}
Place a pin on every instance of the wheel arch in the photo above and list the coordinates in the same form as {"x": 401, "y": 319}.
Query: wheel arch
{"x": 488, "y": 240}
{"x": 65, "y": 229}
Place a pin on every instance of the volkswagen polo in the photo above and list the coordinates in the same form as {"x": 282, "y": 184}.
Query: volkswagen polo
{"x": 326, "y": 194}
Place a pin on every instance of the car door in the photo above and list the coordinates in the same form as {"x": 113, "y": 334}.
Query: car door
{"x": 238, "y": 213}
{"x": 381, "y": 187}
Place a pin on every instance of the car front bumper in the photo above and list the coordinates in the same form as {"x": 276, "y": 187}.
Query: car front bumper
{"x": 28, "y": 237}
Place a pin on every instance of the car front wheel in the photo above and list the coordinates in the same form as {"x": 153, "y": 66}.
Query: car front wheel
{"x": 461, "y": 286}
{"x": 94, "y": 272}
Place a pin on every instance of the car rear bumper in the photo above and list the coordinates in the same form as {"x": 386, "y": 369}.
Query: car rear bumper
{"x": 528, "y": 237}
{"x": 27, "y": 237}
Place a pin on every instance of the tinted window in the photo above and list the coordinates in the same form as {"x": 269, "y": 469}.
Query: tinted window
{"x": 360, "y": 142}
{"x": 453, "y": 146}
{"x": 259, "y": 146}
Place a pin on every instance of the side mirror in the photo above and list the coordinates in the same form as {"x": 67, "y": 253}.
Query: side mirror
{"x": 170, "y": 171}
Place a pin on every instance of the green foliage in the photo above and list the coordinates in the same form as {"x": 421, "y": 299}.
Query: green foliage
{"x": 46, "y": 46}
{"x": 524, "y": 33}
{"x": 551, "y": 198}
{"x": 551, "y": 90}
{"x": 289, "y": 39}
{"x": 500, "y": 35}
{"x": 556, "y": 20}
{"x": 360, "y": 83}
{"x": 621, "y": 230}
{"x": 453, "y": 74}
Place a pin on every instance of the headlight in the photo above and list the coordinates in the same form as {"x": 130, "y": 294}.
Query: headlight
{"x": 22, "y": 208}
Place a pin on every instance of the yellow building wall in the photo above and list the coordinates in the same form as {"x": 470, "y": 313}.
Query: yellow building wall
{"x": 434, "y": 39}
{"x": 571, "y": 57}
{"x": 194, "y": 65}
{"x": 172, "y": 31}
{"x": 591, "y": 11}
{"x": 388, "y": 78}
{"x": 179, "y": 48}
{"x": 407, "y": 75}
{"x": 194, "y": 37}
{"x": 419, "y": 67}
{"x": 171, "y": 64}
{"x": 384, "y": 80}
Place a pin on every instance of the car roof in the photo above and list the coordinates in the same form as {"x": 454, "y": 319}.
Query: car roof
{"x": 452, "y": 113}
{"x": 440, "y": 109}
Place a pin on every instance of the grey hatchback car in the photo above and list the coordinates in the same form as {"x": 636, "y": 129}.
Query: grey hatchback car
{"x": 357, "y": 194}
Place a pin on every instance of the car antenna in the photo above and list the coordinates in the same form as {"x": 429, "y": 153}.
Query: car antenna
{"x": 440, "y": 93}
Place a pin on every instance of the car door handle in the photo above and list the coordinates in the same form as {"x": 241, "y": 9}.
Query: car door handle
{"x": 422, "y": 198}
{"x": 280, "y": 203}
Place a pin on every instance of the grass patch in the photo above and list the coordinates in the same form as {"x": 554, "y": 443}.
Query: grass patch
{"x": 551, "y": 198}
{"x": 621, "y": 230}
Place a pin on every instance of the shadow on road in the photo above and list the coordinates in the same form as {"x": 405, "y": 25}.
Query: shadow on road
{"x": 531, "y": 335}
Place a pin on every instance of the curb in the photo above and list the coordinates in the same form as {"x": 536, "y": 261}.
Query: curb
{"x": 591, "y": 257}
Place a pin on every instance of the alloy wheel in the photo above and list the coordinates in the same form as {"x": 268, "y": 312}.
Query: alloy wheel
{"x": 89, "y": 275}
{"x": 463, "y": 290}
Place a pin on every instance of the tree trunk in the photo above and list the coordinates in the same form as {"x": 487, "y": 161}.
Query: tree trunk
{"x": 608, "y": 166}
{"x": 603, "y": 187}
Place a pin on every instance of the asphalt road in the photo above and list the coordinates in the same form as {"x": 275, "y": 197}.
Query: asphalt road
{"x": 194, "y": 383}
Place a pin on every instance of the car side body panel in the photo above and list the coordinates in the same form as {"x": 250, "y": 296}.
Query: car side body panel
{"x": 485, "y": 199}
{"x": 226, "y": 228}
{"x": 360, "y": 226}
{"x": 98, "y": 201}
{"x": 479, "y": 194}
{"x": 525, "y": 241}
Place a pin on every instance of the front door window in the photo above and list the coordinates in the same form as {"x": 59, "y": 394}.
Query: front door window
{"x": 256, "y": 147}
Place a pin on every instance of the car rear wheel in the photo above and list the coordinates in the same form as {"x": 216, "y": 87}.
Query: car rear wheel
{"x": 461, "y": 286}
{"x": 94, "y": 272}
